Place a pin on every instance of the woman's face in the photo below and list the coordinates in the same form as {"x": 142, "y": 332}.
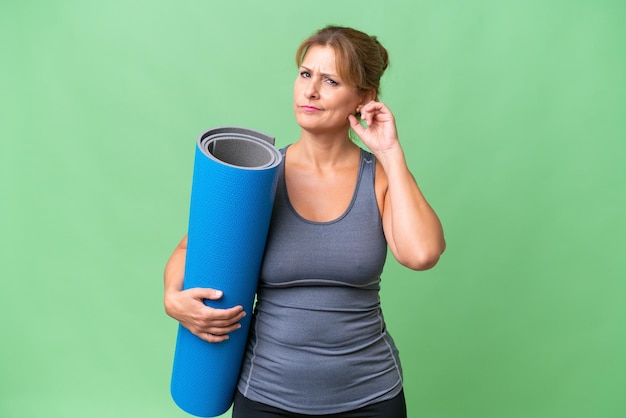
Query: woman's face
{"x": 322, "y": 100}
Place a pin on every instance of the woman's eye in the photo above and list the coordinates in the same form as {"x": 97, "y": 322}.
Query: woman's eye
{"x": 332, "y": 82}
{"x": 305, "y": 74}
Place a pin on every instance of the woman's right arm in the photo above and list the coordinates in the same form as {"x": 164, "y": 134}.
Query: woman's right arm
{"x": 187, "y": 306}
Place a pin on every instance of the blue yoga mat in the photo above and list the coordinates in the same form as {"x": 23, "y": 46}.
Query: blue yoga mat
{"x": 232, "y": 194}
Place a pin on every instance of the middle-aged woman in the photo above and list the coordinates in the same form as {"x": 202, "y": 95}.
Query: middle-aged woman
{"x": 318, "y": 344}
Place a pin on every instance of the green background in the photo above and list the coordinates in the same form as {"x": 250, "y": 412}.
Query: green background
{"x": 512, "y": 115}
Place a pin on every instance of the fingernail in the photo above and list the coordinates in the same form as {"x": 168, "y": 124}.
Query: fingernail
{"x": 218, "y": 293}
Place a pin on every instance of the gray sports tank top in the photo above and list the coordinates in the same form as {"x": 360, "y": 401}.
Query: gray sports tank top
{"x": 318, "y": 342}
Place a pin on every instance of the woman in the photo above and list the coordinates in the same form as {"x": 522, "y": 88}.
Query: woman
{"x": 318, "y": 344}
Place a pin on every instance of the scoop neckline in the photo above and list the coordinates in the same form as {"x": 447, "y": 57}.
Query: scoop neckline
{"x": 321, "y": 223}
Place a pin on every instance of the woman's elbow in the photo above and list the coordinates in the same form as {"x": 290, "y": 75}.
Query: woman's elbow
{"x": 420, "y": 260}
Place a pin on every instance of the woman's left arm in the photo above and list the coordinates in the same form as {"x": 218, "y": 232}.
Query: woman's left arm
{"x": 412, "y": 228}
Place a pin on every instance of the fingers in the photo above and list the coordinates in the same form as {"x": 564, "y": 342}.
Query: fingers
{"x": 375, "y": 111}
{"x": 205, "y": 293}
{"x": 206, "y": 318}
{"x": 222, "y": 317}
{"x": 215, "y": 324}
{"x": 208, "y": 323}
{"x": 221, "y": 331}
{"x": 356, "y": 126}
{"x": 213, "y": 338}
{"x": 373, "y": 106}
{"x": 211, "y": 324}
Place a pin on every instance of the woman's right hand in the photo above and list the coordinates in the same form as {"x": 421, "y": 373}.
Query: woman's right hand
{"x": 210, "y": 324}
{"x": 188, "y": 307}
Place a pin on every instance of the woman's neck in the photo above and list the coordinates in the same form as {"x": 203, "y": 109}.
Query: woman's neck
{"x": 322, "y": 150}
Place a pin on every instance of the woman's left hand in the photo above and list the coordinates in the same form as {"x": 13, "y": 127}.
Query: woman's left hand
{"x": 381, "y": 134}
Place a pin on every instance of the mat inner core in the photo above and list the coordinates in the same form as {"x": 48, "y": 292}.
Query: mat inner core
{"x": 240, "y": 152}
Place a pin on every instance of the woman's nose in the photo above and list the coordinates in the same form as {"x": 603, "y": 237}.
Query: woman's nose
{"x": 311, "y": 91}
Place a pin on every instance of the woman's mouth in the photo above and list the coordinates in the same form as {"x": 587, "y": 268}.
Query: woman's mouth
{"x": 310, "y": 108}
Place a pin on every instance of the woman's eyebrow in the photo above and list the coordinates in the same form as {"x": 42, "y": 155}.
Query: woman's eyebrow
{"x": 324, "y": 74}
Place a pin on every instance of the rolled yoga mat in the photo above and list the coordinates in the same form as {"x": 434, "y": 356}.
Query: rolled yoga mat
{"x": 232, "y": 194}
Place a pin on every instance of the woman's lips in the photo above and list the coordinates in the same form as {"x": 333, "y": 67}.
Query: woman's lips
{"x": 310, "y": 108}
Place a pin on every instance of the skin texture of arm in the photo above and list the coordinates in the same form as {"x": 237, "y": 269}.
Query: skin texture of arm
{"x": 187, "y": 306}
{"x": 412, "y": 229}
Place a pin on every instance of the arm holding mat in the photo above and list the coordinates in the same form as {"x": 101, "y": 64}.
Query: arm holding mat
{"x": 188, "y": 307}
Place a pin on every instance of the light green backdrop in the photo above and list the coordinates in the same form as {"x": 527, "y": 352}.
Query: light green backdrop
{"x": 512, "y": 114}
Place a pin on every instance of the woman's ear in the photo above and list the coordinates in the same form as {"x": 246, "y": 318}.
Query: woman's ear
{"x": 369, "y": 96}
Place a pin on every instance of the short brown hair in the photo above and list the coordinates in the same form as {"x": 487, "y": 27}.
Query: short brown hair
{"x": 361, "y": 59}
